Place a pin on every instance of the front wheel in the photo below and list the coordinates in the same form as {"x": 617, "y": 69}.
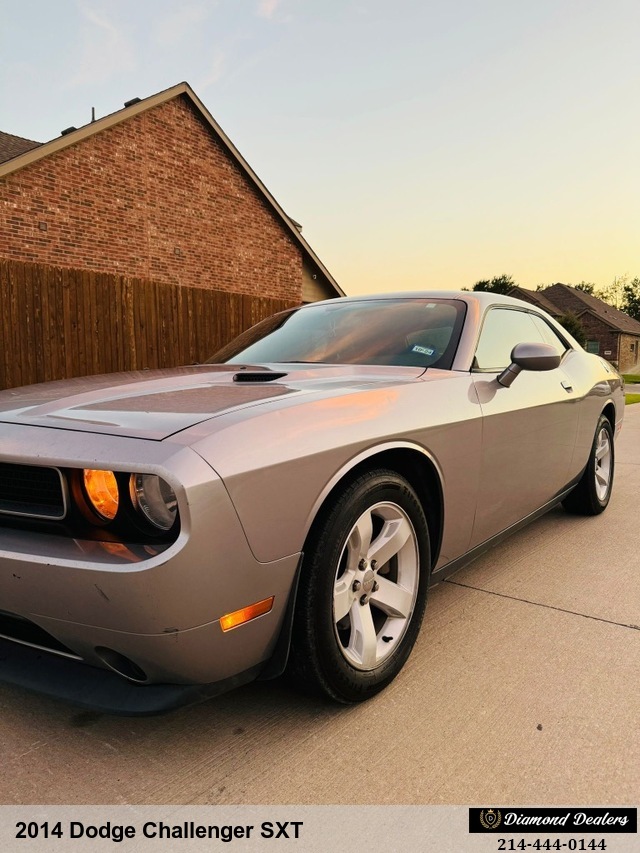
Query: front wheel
{"x": 362, "y": 590}
{"x": 591, "y": 495}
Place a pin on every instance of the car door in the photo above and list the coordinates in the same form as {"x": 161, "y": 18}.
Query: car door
{"x": 529, "y": 429}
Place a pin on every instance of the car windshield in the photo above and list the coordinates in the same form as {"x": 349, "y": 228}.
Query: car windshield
{"x": 402, "y": 332}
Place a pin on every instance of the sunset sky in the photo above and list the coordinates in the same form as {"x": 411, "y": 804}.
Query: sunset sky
{"x": 421, "y": 143}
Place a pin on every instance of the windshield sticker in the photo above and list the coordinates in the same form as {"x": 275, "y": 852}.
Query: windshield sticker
{"x": 423, "y": 350}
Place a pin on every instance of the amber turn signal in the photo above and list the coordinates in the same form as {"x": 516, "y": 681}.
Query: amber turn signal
{"x": 239, "y": 617}
{"x": 101, "y": 490}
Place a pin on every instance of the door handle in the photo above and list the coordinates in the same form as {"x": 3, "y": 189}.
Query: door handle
{"x": 568, "y": 387}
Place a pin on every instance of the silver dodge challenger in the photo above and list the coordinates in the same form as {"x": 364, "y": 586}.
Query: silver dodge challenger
{"x": 167, "y": 535}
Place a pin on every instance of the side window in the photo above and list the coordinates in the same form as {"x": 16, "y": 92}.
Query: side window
{"x": 549, "y": 334}
{"x": 502, "y": 329}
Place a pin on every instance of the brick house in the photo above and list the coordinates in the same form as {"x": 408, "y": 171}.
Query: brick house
{"x": 156, "y": 191}
{"x": 610, "y": 333}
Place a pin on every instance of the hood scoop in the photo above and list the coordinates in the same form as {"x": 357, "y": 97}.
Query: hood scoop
{"x": 258, "y": 376}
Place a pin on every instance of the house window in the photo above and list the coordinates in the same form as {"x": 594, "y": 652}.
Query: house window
{"x": 594, "y": 347}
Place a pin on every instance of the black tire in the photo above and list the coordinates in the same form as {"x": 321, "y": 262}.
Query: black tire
{"x": 351, "y": 657}
{"x": 592, "y": 493}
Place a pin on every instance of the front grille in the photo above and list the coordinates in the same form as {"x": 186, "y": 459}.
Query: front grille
{"x": 31, "y": 491}
{"x": 27, "y": 633}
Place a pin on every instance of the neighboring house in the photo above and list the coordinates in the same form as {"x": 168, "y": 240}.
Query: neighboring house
{"x": 609, "y": 332}
{"x": 155, "y": 191}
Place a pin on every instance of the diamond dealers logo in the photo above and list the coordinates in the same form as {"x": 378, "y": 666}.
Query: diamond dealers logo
{"x": 490, "y": 818}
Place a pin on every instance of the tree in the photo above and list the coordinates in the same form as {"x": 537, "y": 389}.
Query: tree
{"x": 571, "y": 323}
{"x": 586, "y": 287}
{"x": 498, "y": 284}
{"x": 623, "y": 294}
{"x": 631, "y": 298}
{"x": 613, "y": 294}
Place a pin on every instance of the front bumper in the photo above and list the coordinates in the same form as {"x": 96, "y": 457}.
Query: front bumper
{"x": 100, "y": 690}
{"x": 161, "y": 609}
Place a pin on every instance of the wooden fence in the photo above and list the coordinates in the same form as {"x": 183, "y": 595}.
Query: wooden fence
{"x": 58, "y": 323}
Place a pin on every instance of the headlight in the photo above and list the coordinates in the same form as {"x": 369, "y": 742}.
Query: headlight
{"x": 155, "y": 499}
{"x": 101, "y": 490}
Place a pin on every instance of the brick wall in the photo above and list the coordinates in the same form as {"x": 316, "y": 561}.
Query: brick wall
{"x": 155, "y": 197}
{"x": 596, "y": 330}
{"x": 629, "y": 356}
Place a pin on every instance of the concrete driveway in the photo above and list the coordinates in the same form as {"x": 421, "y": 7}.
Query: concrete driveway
{"x": 523, "y": 688}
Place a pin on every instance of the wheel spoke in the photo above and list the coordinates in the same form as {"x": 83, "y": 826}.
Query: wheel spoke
{"x": 342, "y": 596}
{"x": 390, "y": 540}
{"x": 360, "y": 539}
{"x": 363, "y": 642}
{"x": 603, "y": 446}
{"x": 392, "y": 599}
{"x": 602, "y": 479}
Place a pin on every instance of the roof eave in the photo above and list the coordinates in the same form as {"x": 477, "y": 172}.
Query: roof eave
{"x": 88, "y": 130}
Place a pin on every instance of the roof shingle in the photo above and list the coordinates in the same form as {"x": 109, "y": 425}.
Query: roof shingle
{"x": 12, "y": 146}
{"x": 618, "y": 319}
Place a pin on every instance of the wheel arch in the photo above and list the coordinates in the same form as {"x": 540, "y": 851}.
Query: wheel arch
{"x": 413, "y": 463}
{"x": 609, "y": 412}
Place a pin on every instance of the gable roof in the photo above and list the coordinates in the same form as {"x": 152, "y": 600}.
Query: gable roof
{"x": 535, "y": 297}
{"x": 12, "y": 146}
{"x": 38, "y": 151}
{"x": 607, "y": 313}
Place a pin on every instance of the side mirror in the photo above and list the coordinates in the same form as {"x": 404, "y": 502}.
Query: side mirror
{"x": 537, "y": 356}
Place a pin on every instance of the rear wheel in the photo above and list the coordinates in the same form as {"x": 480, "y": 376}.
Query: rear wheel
{"x": 591, "y": 495}
{"x": 362, "y": 590}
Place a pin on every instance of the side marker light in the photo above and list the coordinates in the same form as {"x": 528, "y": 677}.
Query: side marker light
{"x": 246, "y": 614}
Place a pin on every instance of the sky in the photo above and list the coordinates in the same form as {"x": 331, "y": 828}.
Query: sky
{"x": 421, "y": 143}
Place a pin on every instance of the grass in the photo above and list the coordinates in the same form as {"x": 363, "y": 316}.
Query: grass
{"x": 631, "y": 378}
{"x": 632, "y": 398}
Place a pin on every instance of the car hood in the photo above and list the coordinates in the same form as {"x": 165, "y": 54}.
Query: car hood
{"x": 157, "y": 404}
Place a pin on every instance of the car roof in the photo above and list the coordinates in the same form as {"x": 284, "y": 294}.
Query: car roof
{"x": 481, "y": 298}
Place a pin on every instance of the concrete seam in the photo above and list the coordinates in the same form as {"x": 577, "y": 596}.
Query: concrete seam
{"x": 539, "y": 604}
